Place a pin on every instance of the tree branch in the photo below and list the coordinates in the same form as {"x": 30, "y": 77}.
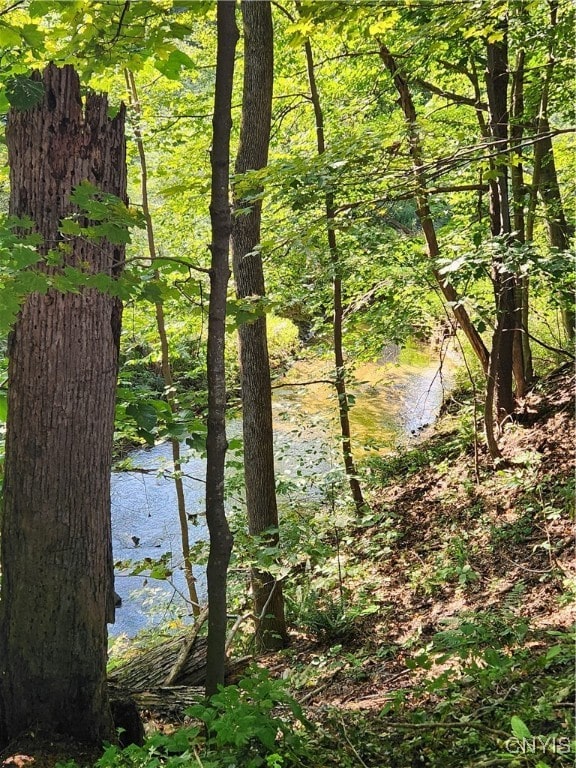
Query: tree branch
{"x": 11, "y": 7}
{"x": 457, "y": 97}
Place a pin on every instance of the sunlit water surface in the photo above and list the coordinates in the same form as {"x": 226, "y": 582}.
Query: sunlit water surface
{"x": 394, "y": 399}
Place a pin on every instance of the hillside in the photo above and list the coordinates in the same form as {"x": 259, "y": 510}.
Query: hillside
{"x": 448, "y": 638}
{"x": 473, "y": 573}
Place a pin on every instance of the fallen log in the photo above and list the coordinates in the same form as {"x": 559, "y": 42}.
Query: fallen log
{"x": 164, "y": 702}
{"x": 150, "y": 669}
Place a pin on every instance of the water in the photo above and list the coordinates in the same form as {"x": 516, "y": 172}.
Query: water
{"x": 145, "y": 525}
{"x": 394, "y": 399}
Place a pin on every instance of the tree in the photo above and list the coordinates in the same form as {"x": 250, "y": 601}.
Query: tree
{"x": 501, "y": 363}
{"x": 545, "y": 176}
{"x": 337, "y": 297}
{"x": 216, "y": 445}
{"x": 423, "y": 211}
{"x": 259, "y": 474}
{"x": 57, "y": 570}
{"x": 522, "y": 353}
{"x": 167, "y": 375}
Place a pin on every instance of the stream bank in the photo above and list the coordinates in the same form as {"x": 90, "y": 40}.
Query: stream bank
{"x": 394, "y": 399}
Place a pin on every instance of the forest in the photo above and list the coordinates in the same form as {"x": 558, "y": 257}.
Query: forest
{"x": 287, "y": 383}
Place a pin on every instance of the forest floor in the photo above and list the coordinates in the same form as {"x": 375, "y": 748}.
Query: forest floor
{"x": 456, "y": 536}
{"x": 448, "y": 641}
{"x": 473, "y": 572}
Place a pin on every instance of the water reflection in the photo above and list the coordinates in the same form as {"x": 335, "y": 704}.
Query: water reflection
{"x": 394, "y": 398}
{"x": 145, "y": 525}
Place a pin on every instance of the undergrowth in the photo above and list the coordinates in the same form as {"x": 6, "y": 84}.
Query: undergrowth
{"x": 486, "y": 684}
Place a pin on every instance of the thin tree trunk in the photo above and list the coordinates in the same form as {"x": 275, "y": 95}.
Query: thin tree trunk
{"x": 57, "y": 568}
{"x": 504, "y": 280}
{"x": 216, "y": 444}
{"x": 338, "y": 309}
{"x": 559, "y": 230}
{"x": 164, "y": 350}
{"x": 545, "y": 178}
{"x": 522, "y": 357}
{"x": 259, "y": 474}
{"x": 423, "y": 210}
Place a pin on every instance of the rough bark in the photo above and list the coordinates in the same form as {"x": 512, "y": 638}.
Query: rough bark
{"x": 57, "y": 569}
{"x": 521, "y": 357}
{"x": 216, "y": 444}
{"x": 559, "y": 230}
{"x": 423, "y": 211}
{"x": 259, "y": 474}
{"x": 504, "y": 281}
{"x": 337, "y": 304}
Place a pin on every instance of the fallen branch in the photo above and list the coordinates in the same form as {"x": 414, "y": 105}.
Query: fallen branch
{"x": 303, "y": 383}
{"x": 241, "y": 619}
{"x": 186, "y": 648}
{"x": 149, "y": 669}
{"x": 475, "y": 725}
{"x": 549, "y": 347}
{"x": 352, "y": 747}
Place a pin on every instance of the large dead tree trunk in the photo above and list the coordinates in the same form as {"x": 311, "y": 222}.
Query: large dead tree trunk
{"x": 57, "y": 570}
{"x": 259, "y": 474}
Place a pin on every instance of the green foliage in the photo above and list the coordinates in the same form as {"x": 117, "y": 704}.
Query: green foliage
{"x": 386, "y": 470}
{"x": 169, "y": 44}
{"x": 18, "y": 254}
{"x": 108, "y": 216}
{"x": 332, "y": 619}
{"x": 22, "y": 265}
{"x": 242, "y": 726}
{"x": 450, "y": 565}
{"x": 158, "y": 568}
{"x": 481, "y": 639}
{"x": 23, "y": 93}
{"x": 245, "y": 726}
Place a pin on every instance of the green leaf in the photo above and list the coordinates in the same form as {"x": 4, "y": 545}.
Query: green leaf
{"x": 172, "y": 66}
{"x": 3, "y": 406}
{"x": 114, "y": 233}
{"x": 39, "y": 8}
{"x": 553, "y": 652}
{"x": 70, "y": 227}
{"x": 144, "y": 414}
{"x": 4, "y": 103}
{"x": 9, "y": 307}
{"x": 174, "y": 190}
{"x": 519, "y": 728}
{"x": 24, "y": 93}
{"x": 10, "y": 36}
{"x": 32, "y": 36}
{"x": 384, "y": 25}
{"x": 83, "y": 194}
{"x": 30, "y": 281}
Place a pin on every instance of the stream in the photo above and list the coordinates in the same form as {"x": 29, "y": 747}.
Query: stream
{"x": 394, "y": 399}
